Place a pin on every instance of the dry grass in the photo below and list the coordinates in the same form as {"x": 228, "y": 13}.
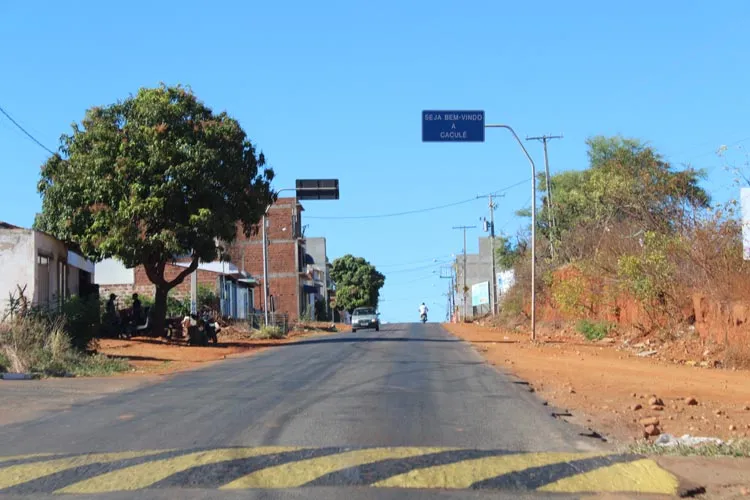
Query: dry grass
{"x": 737, "y": 356}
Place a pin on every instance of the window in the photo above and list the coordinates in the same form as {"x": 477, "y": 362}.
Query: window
{"x": 62, "y": 282}
{"x": 42, "y": 280}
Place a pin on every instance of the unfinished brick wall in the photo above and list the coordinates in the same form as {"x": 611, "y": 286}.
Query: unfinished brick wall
{"x": 283, "y": 266}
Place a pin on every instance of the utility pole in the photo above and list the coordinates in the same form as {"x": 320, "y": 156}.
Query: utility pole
{"x": 490, "y": 226}
{"x": 464, "y": 228}
{"x": 551, "y": 215}
{"x": 451, "y": 292}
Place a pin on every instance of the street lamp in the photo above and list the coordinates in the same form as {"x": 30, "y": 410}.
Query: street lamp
{"x": 306, "y": 189}
{"x": 533, "y": 225}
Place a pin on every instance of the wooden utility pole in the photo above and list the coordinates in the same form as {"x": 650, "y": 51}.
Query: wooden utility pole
{"x": 464, "y": 228}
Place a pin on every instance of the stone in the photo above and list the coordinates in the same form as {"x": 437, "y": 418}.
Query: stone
{"x": 719, "y": 413}
{"x": 636, "y": 407}
{"x": 746, "y": 408}
{"x": 571, "y": 390}
{"x": 655, "y": 401}
{"x": 649, "y": 421}
{"x": 691, "y": 401}
{"x": 651, "y": 430}
{"x": 732, "y": 427}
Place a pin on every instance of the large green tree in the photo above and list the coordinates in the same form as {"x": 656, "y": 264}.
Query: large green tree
{"x": 358, "y": 283}
{"x": 153, "y": 178}
{"x": 626, "y": 182}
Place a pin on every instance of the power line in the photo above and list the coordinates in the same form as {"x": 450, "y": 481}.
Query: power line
{"x": 428, "y": 266}
{"x": 25, "y": 131}
{"x": 417, "y": 211}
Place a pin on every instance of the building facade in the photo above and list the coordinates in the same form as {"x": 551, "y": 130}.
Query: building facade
{"x": 42, "y": 267}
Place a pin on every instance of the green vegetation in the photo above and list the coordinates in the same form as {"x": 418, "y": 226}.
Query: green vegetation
{"x": 268, "y": 332}
{"x": 593, "y": 330}
{"x": 154, "y": 177}
{"x": 637, "y": 229}
{"x": 38, "y": 344}
{"x": 358, "y": 283}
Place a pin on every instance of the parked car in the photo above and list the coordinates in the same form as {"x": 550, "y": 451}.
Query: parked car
{"x": 365, "y": 317}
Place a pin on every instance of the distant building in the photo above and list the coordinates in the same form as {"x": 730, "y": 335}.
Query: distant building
{"x": 233, "y": 287}
{"x": 479, "y": 270}
{"x": 43, "y": 266}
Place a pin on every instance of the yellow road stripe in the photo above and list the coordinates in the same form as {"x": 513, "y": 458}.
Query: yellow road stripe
{"x": 296, "y": 474}
{"x": 23, "y": 457}
{"x": 641, "y": 476}
{"x": 146, "y": 474}
{"x": 18, "y": 474}
{"x": 467, "y": 472}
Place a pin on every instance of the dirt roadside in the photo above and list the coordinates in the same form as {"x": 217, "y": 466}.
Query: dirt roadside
{"x": 157, "y": 356}
{"x": 609, "y": 391}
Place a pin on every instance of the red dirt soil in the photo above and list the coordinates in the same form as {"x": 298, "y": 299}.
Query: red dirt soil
{"x": 602, "y": 385}
{"x": 160, "y": 356}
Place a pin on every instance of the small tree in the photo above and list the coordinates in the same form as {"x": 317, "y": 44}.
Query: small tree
{"x": 358, "y": 283}
{"x": 153, "y": 178}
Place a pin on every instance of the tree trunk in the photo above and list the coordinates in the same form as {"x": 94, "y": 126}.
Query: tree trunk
{"x": 159, "y": 314}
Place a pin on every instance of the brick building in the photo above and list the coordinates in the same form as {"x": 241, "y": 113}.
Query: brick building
{"x": 287, "y": 268}
{"x": 295, "y": 280}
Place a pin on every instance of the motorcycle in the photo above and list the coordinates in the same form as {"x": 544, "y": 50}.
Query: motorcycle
{"x": 202, "y": 328}
{"x": 424, "y": 318}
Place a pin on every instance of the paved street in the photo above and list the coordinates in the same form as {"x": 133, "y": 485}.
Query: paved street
{"x": 406, "y": 409}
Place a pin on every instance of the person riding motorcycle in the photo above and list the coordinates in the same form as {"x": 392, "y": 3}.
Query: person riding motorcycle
{"x": 423, "y": 311}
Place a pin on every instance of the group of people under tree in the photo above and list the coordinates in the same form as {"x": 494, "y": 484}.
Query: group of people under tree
{"x": 115, "y": 320}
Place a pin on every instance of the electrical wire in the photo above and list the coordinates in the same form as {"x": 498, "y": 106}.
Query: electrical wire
{"x": 25, "y": 131}
{"x": 411, "y": 212}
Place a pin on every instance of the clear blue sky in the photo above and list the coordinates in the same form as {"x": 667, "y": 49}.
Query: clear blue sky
{"x": 335, "y": 89}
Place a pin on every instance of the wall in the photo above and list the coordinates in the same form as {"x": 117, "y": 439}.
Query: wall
{"x": 113, "y": 272}
{"x": 284, "y": 218}
{"x": 478, "y": 270}
{"x": 17, "y": 263}
{"x": 56, "y": 251}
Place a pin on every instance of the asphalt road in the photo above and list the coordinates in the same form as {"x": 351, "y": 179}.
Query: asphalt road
{"x": 406, "y": 409}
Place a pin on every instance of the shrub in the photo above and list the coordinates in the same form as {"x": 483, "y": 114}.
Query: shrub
{"x": 570, "y": 294}
{"x": 35, "y": 343}
{"x": 593, "y": 330}
{"x": 177, "y": 308}
{"x": 268, "y": 332}
{"x": 81, "y": 319}
{"x": 206, "y": 298}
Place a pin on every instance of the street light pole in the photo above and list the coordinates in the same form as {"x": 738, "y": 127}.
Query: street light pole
{"x": 533, "y": 225}
{"x": 298, "y": 190}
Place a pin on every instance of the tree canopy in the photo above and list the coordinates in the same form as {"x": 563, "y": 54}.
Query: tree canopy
{"x": 626, "y": 181}
{"x": 153, "y": 178}
{"x": 358, "y": 283}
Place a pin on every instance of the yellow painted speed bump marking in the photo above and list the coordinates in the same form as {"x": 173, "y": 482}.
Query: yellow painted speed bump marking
{"x": 24, "y": 457}
{"x": 295, "y": 474}
{"x": 22, "y": 473}
{"x": 641, "y": 476}
{"x": 467, "y": 472}
{"x": 144, "y": 475}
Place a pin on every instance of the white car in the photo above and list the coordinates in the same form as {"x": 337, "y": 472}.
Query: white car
{"x": 365, "y": 317}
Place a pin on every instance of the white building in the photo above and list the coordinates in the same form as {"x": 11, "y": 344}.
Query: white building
{"x": 42, "y": 266}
